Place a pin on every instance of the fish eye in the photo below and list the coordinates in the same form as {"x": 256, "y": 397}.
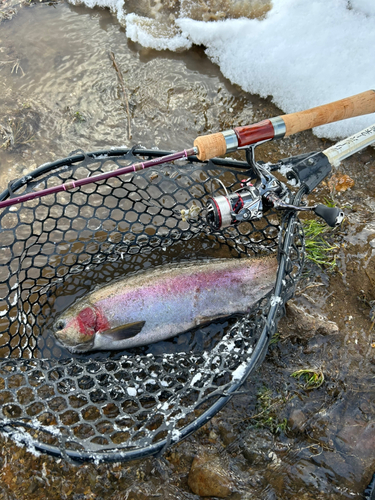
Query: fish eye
{"x": 60, "y": 324}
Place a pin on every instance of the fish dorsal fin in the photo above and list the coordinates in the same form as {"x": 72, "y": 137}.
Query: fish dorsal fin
{"x": 124, "y": 331}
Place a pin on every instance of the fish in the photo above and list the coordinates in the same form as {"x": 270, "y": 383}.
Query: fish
{"x": 158, "y": 304}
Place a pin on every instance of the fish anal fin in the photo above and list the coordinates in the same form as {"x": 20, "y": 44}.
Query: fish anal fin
{"x": 123, "y": 332}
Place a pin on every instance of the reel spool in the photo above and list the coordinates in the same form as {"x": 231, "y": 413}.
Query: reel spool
{"x": 240, "y": 206}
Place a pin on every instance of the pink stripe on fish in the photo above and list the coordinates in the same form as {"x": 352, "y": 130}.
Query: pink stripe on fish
{"x": 184, "y": 283}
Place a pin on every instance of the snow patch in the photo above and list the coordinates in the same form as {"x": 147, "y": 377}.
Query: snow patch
{"x": 239, "y": 372}
{"x": 131, "y": 391}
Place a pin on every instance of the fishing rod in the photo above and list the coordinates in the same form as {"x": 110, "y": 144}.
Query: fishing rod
{"x": 253, "y": 199}
{"x": 168, "y": 421}
{"x": 220, "y": 143}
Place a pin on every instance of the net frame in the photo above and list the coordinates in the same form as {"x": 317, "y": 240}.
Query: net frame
{"x": 27, "y": 380}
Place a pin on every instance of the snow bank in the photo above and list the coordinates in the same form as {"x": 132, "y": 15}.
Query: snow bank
{"x": 301, "y": 53}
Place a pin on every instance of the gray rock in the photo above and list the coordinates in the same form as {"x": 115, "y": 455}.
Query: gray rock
{"x": 300, "y": 324}
{"x": 297, "y": 420}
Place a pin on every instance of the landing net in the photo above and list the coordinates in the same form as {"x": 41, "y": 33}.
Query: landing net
{"x": 113, "y": 406}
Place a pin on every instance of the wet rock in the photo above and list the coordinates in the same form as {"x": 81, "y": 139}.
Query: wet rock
{"x": 180, "y": 457}
{"x": 297, "y": 420}
{"x": 304, "y": 496}
{"x": 359, "y": 438}
{"x": 300, "y": 324}
{"x": 226, "y": 432}
{"x": 257, "y": 446}
{"x": 34, "y": 486}
{"x": 208, "y": 477}
{"x": 132, "y": 494}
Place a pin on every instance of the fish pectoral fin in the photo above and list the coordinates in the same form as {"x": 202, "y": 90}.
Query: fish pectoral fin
{"x": 124, "y": 331}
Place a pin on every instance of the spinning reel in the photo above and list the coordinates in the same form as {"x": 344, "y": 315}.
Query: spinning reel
{"x": 253, "y": 199}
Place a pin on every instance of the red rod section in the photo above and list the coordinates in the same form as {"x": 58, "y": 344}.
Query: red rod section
{"x": 250, "y": 134}
{"x": 96, "y": 178}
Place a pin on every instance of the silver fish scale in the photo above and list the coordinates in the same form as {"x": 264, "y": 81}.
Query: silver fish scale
{"x": 120, "y": 406}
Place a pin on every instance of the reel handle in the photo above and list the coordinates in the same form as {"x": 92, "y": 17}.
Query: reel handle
{"x": 331, "y": 215}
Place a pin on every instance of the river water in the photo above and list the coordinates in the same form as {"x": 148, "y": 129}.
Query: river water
{"x": 59, "y": 92}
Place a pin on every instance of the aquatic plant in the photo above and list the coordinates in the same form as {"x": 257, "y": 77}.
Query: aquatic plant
{"x": 312, "y": 378}
{"x": 269, "y": 407}
{"x": 318, "y": 249}
{"x": 78, "y": 117}
{"x": 18, "y": 133}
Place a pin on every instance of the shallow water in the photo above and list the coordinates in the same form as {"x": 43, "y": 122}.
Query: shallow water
{"x": 60, "y": 92}
{"x": 64, "y": 94}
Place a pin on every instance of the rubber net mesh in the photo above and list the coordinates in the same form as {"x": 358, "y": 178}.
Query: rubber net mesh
{"x": 55, "y": 249}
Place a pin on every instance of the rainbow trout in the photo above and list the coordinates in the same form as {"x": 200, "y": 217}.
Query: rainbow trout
{"x": 155, "y": 305}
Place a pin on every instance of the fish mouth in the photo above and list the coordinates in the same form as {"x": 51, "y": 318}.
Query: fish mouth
{"x": 76, "y": 348}
{"x": 81, "y": 348}
{"x": 68, "y": 337}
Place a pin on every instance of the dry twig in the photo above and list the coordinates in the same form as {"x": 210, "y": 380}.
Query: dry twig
{"x": 126, "y": 100}
{"x": 16, "y": 66}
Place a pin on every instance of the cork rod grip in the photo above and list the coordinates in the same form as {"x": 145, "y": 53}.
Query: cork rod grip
{"x": 210, "y": 146}
{"x": 359, "y": 104}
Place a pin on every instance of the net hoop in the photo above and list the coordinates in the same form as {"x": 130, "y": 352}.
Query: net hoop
{"x": 29, "y": 298}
